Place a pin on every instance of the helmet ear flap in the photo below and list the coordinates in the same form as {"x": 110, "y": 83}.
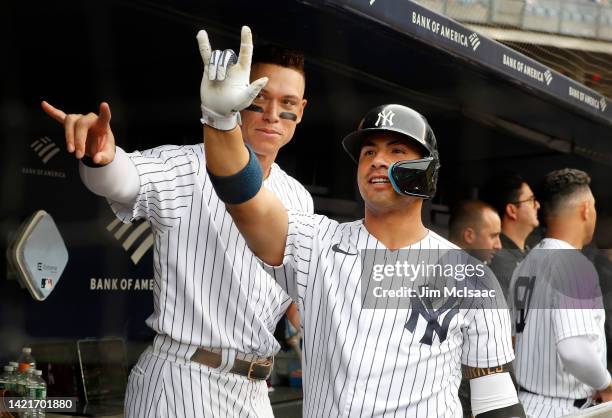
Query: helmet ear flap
{"x": 415, "y": 177}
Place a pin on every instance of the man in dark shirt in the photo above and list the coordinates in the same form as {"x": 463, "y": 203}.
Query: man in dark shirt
{"x": 518, "y": 208}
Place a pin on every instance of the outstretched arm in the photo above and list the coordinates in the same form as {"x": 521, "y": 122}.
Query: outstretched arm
{"x": 262, "y": 220}
{"x": 225, "y": 90}
{"x": 105, "y": 169}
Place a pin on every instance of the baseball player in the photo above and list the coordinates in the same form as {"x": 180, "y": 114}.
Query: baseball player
{"x": 209, "y": 357}
{"x": 559, "y": 324}
{"x": 356, "y": 361}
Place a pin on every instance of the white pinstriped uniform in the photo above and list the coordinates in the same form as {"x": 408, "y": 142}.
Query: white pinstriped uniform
{"x": 365, "y": 362}
{"x": 538, "y": 367}
{"x": 209, "y": 291}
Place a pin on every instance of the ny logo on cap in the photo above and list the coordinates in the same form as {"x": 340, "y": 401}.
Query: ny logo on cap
{"x": 385, "y": 118}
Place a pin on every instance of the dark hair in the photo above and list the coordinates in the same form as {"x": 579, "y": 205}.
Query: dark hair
{"x": 464, "y": 214}
{"x": 559, "y": 185}
{"x": 502, "y": 189}
{"x": 275, "y": 54}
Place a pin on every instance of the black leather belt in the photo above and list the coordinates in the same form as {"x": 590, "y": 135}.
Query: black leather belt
{"x": 257, "y": 369}
{"x": 577, "y": 402}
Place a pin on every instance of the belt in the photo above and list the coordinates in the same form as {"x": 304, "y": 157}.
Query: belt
{"x": 577, "y": 402}
{"x": 257, "y": 369}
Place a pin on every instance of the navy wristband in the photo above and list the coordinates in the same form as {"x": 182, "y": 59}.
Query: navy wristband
{"x": 239, "y": 187}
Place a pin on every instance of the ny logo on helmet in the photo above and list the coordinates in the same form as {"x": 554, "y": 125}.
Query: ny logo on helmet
{"x": 384, "y": 118}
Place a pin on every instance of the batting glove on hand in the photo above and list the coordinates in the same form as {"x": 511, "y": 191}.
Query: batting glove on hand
{"x": 225, "y": 88}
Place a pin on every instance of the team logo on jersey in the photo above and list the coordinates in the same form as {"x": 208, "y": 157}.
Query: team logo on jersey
{"x": 336, "y": 248}
{"x": 137, "y": 230}
{"x": 432, "y": 317}
{"x": 384, "y": 118}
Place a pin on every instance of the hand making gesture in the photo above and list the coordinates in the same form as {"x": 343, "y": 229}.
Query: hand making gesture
{"x": 87, "y": 135}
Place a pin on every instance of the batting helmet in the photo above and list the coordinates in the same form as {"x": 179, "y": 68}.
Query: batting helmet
{"x": 410, "y": 177}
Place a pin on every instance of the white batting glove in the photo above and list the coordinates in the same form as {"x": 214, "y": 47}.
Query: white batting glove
{"x": 225, "y": 88}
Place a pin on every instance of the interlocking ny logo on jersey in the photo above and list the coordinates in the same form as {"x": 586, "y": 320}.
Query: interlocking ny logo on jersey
{"x": 384, "y": 118}
{"x": 431, "y": 316}
{"x": 45, "y": 148}
{"x": 138, "y": 230}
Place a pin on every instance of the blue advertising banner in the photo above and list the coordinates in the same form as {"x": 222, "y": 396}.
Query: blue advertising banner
{"x": 438, "y": 31}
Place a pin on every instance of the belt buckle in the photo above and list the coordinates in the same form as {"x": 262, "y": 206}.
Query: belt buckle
{"x": 265, "y": 362}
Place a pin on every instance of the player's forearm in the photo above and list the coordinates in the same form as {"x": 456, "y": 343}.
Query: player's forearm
{"x": 118, "y": 180}
{"x": 262, "y": 219}
{"x": 293, "y": 315}
{"x": 233, "y": 169}
{"x": 493, "y": 394}
{"x": 263, "y": 222}
{"x": 226, "y": 153}
{"x": 581, "y": 359}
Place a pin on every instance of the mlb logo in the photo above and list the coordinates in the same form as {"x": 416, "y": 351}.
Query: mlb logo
{"x": 46, "y": 283}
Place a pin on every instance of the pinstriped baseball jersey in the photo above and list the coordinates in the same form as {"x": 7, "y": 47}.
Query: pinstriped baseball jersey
{"x": 367, "y": 362}
{"x": 540, "y": 327}
{"x": 209, "y": 291}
